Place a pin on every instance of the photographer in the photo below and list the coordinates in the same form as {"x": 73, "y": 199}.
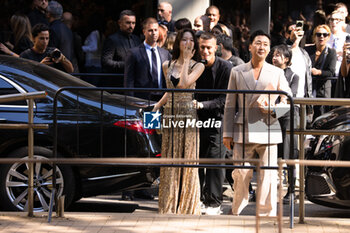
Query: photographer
{"x": 40, "y": 52}
{"x": 301, "y": 63}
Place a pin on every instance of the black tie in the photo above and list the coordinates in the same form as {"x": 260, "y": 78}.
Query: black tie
{"x": 154, "y": 69}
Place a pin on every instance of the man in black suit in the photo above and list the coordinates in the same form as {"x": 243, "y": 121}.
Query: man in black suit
{"x": 215, "y": 76}
{"x": 143, "y": 64}
{"x": 117, "y": 45}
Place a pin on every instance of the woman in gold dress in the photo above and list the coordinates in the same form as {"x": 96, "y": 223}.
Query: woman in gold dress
{"x": 179, "y": 190}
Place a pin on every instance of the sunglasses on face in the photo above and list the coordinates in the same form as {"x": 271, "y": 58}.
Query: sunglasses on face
{"x": 319, "y": 34}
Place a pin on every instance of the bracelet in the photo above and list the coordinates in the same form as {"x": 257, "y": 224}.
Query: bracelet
{"x": 274, "y": 113}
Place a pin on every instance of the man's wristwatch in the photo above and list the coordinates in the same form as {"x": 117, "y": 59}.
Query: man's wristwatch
{"x": 200, "y": 105}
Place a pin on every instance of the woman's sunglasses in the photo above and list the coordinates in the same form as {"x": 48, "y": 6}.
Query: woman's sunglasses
{"x": 319, "y": 34}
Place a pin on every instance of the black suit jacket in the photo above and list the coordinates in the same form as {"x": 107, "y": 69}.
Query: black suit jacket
{"x": 137, "y": 70}
{"x": 61, "y": 37}
{"x": 115, "y": 49}
{"x": 213, "y": 104}
{"x": 326, "y": 62}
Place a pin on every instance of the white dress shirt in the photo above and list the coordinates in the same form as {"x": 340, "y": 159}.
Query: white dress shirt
{"x": 159, "y": 64}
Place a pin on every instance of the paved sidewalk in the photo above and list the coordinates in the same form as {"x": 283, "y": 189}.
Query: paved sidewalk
{"x": 142, "y": 222}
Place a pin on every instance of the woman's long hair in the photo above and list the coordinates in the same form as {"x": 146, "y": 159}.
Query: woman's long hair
{"x": 20, "y": 26}
{"x": 176, "y": 48}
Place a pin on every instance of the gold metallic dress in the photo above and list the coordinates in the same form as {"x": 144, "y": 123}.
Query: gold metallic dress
{"x": 179, "y": 190}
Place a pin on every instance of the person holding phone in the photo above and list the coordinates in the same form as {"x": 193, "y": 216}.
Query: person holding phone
{"x": 344, "y": 83}
{"x": 300, "y": 62}
{"x": 345, "y": 66}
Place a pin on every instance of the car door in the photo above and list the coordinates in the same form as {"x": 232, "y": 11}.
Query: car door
{"x": 12, "y": 111}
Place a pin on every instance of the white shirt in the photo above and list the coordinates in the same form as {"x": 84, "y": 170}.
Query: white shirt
{"x": 337, "y": 43}
{"x": 159, "y": 64}
{"x": 299, "y": 67}
{"x": 93, "y": 49}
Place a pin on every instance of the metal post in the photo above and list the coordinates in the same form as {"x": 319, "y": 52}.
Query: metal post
{"x": 291, "y": 175}
{"x": 291, "y": 170}
{"x": 258, "y": 196}
{"x": 280, "y": 196}
{"x": 52, "y": 198}
{"x": 30, "y": 156}
{"x": 301, "y": 168}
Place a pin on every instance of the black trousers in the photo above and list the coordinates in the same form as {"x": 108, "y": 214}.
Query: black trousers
{"x": 211, "y": 180}
{"x": 284, "y": 148}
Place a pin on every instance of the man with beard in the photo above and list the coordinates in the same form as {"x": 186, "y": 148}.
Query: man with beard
{"x": 117, "y": 45}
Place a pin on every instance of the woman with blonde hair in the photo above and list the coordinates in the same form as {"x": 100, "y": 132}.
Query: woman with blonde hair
{"x": 324, "y": 61}
{"x": 219, "y": 29}
{"x": 170, "y": 40}
{"x": 22, "y": 36}
{"x": 163, "y": 33}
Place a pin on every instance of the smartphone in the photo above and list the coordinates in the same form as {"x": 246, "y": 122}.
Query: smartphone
{"x": 299, "y": 24}
{"x": 347, "y": 39}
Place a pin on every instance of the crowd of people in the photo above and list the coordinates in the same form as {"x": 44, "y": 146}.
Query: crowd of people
{"x": 297, "y": 58}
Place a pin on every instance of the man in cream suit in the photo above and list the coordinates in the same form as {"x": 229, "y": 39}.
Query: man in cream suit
{"x": 262, "y": 130}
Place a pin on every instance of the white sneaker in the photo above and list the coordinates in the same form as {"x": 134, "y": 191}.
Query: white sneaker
{"x": 203, "y": 207}
{"x": 213, "y": 210}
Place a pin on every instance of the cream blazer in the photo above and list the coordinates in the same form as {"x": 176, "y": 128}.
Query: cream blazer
{"x": 261, "y": 127}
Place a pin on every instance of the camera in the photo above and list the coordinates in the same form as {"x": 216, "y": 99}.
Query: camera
{"x": 347, "y": 39}
{"x": 299, "y": 24}
{"x": 55, "y": 54}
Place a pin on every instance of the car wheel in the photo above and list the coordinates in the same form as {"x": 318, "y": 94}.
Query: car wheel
{"x": 14, "y": 182}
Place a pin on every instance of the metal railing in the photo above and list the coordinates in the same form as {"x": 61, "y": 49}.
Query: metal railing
{"x": 196, "y": 163}
{"x": 172, "y": 162}
{"x": 303, "y": 163}
{"x": 302, "y": 131}
{"x": 30, "y": 126}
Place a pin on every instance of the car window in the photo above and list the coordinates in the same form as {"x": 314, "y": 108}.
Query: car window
{"x": 7, "y": 88}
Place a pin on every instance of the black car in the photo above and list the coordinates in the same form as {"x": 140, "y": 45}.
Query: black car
{"x": 330, "y": 186}
{"x": 86, "y": 128}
